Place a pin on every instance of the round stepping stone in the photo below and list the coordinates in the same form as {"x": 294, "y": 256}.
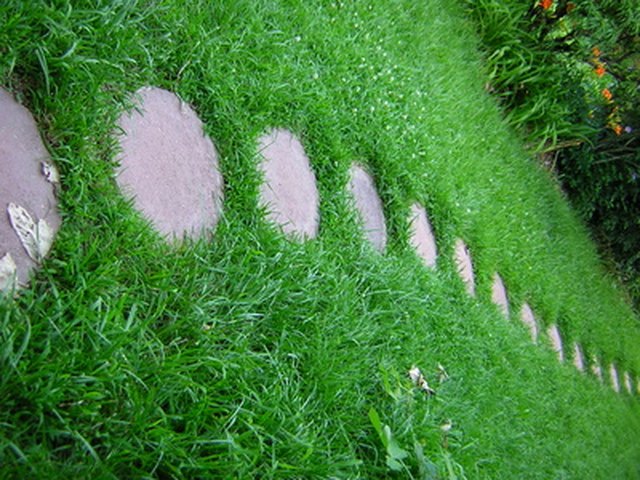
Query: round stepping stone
{"x": 169, "y": 165}
{"x": 627, "y": 382}
{"x": 288, "y": 192}
{"x": 29, "y": 218}
{"x": 596, "y": 369}
{"x": 421, "y": 235}
{"x": 369, "y": 206}
{"x": 529, "y": 320}
{"x": 465, "y": 266}
{"x": 613, "y": 375}
{"x": 578, "y": 357}
{"x": 499, "y": 295}
{"x": 556, "y": 341}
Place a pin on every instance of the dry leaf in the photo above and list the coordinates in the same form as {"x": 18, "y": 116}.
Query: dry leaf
{"x": 35, "y": 238}
{"x": 51, "y": 173}
{"x": 44, "y": 235}
{"x": 8, "y": 274}
{"x": 419, "y": 381}
{"x": 442, "y": 374}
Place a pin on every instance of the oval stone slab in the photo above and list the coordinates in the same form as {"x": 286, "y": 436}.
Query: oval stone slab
{"x": 169, "y": 165}
{"x": 556, "y": 341}
{"x": 24, "y": 165}
{"x": 421, "y": 235}
{"x": 578, "y": 357}
{"x": 596, "y": 369}
{"x": 627, "y": 382}
{"x": 499, "y": 295}
{"x": 369, "y": 206}
{"x": 613, "y": 376}
{"x": 529, "y": 320}
{"x": 289, "y": 191}
{"x": 465, "y": 266}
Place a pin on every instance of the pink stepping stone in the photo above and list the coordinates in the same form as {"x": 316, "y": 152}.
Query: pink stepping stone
{"x": 369, "y": 206}
{"x": 421, "y": 235}
{"x": 465, "y": 266}
{"x": 288, "y": 192}
{"x": 27, "y": 180}
{"x": 578, "y": 357}
{"x": 613, "y": 375}
{"x": 169, "y": 166}
{"x": 529, "y": 320}
{"x": 627, "y": 382}
{"x": 499, "y": 295}
{"x": 556, "y": 341}
{"x": 596, "y": 369}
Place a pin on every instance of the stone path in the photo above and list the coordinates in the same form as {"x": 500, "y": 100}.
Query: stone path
{"x": 462, "y": 258}
{"x": 369, "y": 206}
{"x": 288, "y": 192}
{"x": 28, "y": 203}
{"x": 578, "y": 357}
{"x": 529, "y": 320}
{"x": 169, "y": 166}
{"x": 556, "y": 341}
{"x": 499, "y": 295}
{"x": 421, "y": 235}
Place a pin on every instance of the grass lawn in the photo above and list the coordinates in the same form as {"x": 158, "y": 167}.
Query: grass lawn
{"x": 252, "y": 356}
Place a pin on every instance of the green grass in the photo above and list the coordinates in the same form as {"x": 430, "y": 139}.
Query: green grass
{"x": 252, "y": 356}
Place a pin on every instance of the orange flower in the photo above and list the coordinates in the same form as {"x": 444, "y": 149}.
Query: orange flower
{"x": 596, "y": 51}
{"x": 600, "y": 70}
{"x": 606, "y": 93}
{"x": 617, "y": 129}
{"x": 545, "y": 4}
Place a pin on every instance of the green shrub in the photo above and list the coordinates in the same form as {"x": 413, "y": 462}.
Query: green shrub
{"x": 568, "y": 75}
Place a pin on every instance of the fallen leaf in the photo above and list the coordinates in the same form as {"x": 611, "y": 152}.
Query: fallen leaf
{"x": 51, "y": 173}
{"x": 419, "y": 381}
{"x": 36, "y": 238}
{"x": 45, "y": 236}
{"x": 8, "y": 274}
{"x": 442, "y": 373}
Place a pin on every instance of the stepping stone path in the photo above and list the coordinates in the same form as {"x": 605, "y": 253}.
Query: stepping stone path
{"x": 499, "y": 295}
{"x": 556, "y": 341}
{"x": 528, "y": 319}
{"x": 288, "y": 192}
{"x": 369, "y": 206}
{"x": 169, "y": 165}
{"x": 29, "y": 219}
{"x": 421, "y": 236}
{"x": 465, "y": 267}
{"x": 615, "y": 381}
{"x": 596, "y": 369}
{"x": 578, "y": 357}
{"x": 627, "y": 382}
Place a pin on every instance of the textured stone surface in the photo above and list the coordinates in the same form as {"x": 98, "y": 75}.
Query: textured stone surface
{"x": 464, "y": 264}
{"x": 499, "y": 295}
{"x": 578, "y": 357}
{"x": 529, "y": 320}
{"x": 22, "y": 179}
{"x": 421, "y": 235}
{"x": 169, "y": 166}
{"x": 613, "y": 377}
{"x": 288, "y": 192}
{"x": 369, "y": 206}
{"x": 556, "y": 341}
